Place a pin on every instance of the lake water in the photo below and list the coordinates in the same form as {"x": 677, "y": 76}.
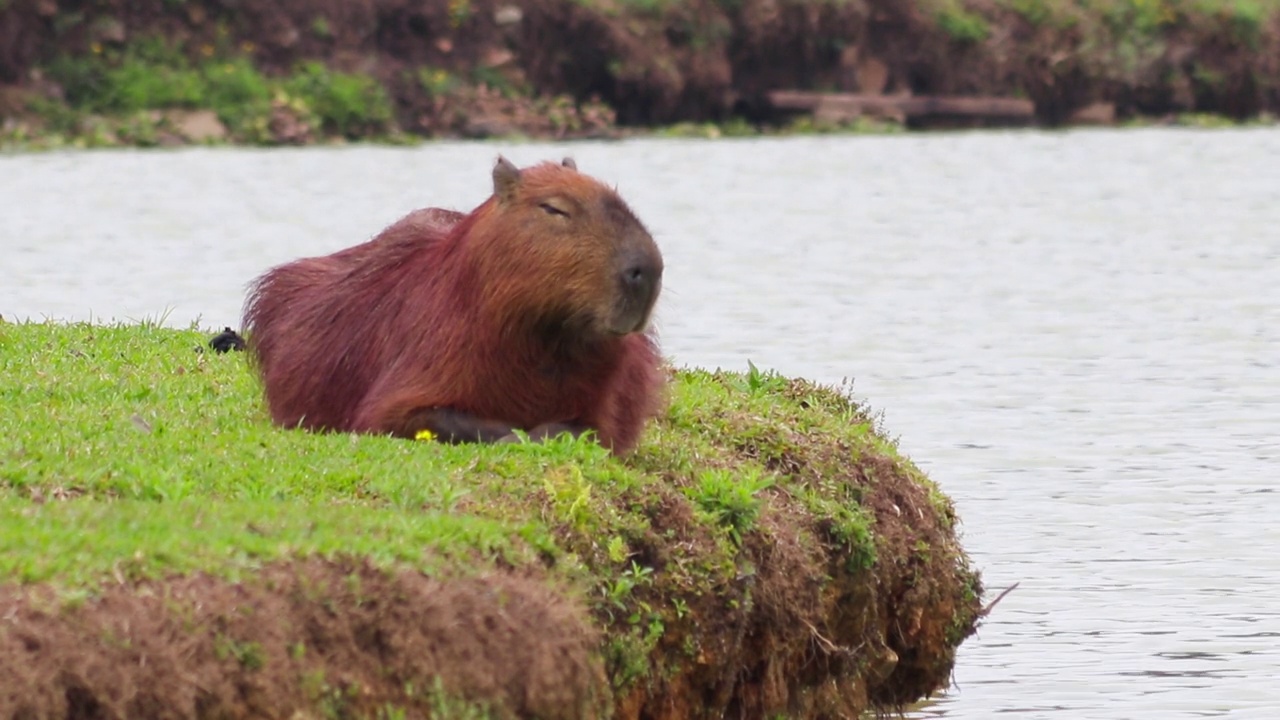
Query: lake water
{"x": 1077, "y": 334}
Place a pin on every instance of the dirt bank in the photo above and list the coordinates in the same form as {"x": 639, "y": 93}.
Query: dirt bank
{"x": 568, "y": 68}
{"x": 341, "y": 637}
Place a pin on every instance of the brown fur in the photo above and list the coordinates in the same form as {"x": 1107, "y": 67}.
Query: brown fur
{"x": 528, "y": 313}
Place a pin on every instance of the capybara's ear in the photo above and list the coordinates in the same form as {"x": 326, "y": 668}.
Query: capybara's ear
{"x": 569, "y": 163}
{"x": 505, "y": 179}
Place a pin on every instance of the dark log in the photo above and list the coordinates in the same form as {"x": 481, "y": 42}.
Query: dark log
{"x": 839, "y": 107}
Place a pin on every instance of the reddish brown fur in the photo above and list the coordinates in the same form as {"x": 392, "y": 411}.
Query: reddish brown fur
{"x": 510, "y": 313}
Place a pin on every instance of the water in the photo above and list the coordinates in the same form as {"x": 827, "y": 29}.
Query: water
{"x": 1076, "y": 334}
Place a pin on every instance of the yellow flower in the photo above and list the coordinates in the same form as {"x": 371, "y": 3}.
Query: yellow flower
{"x": 425, "y": 435}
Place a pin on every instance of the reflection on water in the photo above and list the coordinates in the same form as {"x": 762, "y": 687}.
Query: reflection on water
{"x": 1077, "y": 334}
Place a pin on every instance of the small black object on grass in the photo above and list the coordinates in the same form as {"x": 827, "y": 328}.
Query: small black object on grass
{"x": 227, "y": 340}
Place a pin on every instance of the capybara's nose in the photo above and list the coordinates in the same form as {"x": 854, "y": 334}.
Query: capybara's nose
{"x": 640, "y": 279}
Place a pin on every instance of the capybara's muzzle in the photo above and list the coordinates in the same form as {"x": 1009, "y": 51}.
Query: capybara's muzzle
{"x": 639, "y": 282}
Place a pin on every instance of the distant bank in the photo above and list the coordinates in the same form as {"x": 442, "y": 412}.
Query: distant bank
{"x": 158, "y": 72}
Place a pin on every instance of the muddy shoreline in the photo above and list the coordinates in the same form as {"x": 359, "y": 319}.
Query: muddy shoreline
{"x": 158, "y": 72}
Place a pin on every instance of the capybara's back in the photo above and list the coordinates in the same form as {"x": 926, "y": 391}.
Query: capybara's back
{"x": 529, "y": 313}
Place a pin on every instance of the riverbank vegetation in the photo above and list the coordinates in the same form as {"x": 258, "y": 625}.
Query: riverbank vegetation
{"x": 167, "y": 551}
{"x": 260, "y": 72}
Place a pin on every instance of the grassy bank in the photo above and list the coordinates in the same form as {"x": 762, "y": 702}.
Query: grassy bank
{"x": 765, "y": 550}
{"x": 159, "y": 72}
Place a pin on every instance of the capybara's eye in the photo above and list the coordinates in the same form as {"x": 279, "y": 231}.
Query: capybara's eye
{"x": 553, "y": 210}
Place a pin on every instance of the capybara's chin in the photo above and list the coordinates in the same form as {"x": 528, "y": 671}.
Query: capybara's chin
{"x": 631, "y": 316}
{"x": 467, "y": 327}
{"x": 636, "y": 296}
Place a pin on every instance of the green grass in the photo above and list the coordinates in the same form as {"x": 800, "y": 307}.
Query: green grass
{"x": 130, "y": 450}
{"x": 125, "y": 450}
{"x": 162, "y": 452}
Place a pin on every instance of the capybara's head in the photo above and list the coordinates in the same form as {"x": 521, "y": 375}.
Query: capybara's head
{"x": 563, "y": 249}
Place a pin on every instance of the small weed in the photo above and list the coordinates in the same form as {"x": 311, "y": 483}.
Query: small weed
{"x": 617, "y": 549}
{"x": 652, "y": 8}
{"x": 1038, "y": 13}
{"x": 495, "y": 79}
{"x": 627, "y": 658}
{"x": 139, "y": 128}
{"x": 314, "y": 685}
{"x": 680, "y": 606}
{"x": 570, "y": 494}
{"x": 763, "y": 381}
{"x": 460, "y": 11}
{"x": 862, "y": 125}
{"x": 731, "y": 500}
{"x": 320, "y": 28}
{"x": 335, "y": 703}
{"x": 1204, "y": 121}
{"x": 852, "y": 528}
{"x": 735, "y": 127}
{"x": 921, "y": 550}
{"x": 961, "y": 25}
{"x": 58, "y": 117}
{"x": 447, "y": 706}
{"x": 618, "y": 591}
{"x": 437, "y": 82}
{"x": 392, "y": 712}
{"x": 248, "y": 654}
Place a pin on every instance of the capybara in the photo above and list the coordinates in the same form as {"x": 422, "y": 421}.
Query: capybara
{"x": 531, "y": 312}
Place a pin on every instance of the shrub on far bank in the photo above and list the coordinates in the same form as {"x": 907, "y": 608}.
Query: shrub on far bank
{"x": 152, "y": 75}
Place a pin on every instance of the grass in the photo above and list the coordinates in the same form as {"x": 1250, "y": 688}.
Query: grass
{"x": 131, "y": 452}
{"x": 120, "y": 420}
